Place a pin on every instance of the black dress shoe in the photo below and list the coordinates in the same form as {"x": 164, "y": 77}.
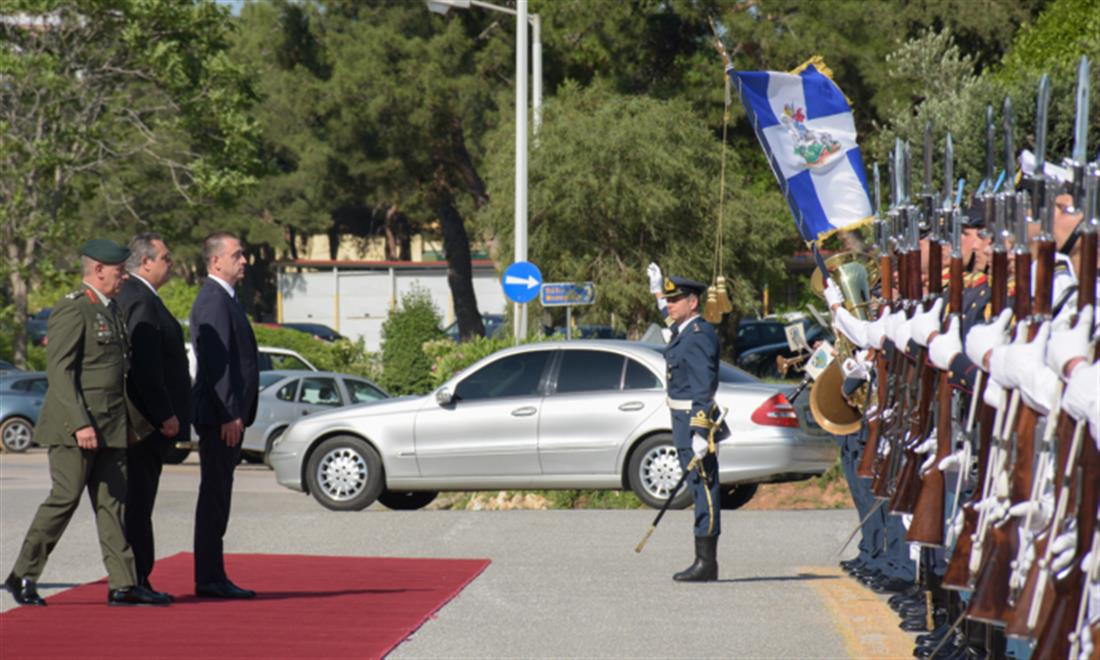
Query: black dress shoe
{"x": 148, "y": 585}
{"x": 914, "y": 624}
{"x": 224, "y": 589}
{"x": 136, "y": 595}
{"x": 23, "y": 590}
{"x": 890, "y": 585}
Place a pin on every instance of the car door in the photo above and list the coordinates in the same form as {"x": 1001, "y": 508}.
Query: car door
{"x": 490, "y": 428}
{"x": 596, "y": 402}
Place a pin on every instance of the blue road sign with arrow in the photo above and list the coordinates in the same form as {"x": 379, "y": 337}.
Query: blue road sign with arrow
{"x": 521, "y": 281}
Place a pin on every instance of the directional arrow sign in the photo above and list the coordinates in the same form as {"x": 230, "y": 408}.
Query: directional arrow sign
{"x": 559, "y": 294}
{"x": 521, "y": 281}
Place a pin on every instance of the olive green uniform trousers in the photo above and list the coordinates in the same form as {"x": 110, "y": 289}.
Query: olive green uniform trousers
{"x": 72, "y": 469}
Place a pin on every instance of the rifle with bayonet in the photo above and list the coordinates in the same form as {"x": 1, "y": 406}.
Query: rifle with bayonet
{"x": 993, "y": 598}
{"x": 886, "y": 284}
{"x": 1053, "y": 634}
{"x": 1062, "y": 437}
{"x": 909, "y": 481}
{"x": 928, "y": 513}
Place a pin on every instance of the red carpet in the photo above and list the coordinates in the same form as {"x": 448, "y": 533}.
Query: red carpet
{"x": 339, "y": 607}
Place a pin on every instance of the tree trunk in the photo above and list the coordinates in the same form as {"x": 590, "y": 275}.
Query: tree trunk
{"x": 396, "y": 227}
{"x": 456, "y": 245}
{"x": 20, "y": 290}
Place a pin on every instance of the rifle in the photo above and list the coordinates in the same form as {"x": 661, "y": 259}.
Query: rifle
{"x": 1035, "y": 601}
{"x": 874, "y": 418}
{"x": 909, "y": 481}
{"x": 993, "y": 600}
{"x": 1052, "y": 637}
{"x": 928, "y": 514}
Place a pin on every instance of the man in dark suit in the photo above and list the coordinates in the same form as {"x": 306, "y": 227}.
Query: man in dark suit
{"x": 159, "y": 388}
{"x": 224, "y": 395}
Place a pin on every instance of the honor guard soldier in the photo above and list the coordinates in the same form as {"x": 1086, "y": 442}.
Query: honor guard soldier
{"x": 84, "y": 424}
{"x": 692, "y": 358}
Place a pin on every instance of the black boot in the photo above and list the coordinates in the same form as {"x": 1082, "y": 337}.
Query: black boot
{"x": 705, "y": 567}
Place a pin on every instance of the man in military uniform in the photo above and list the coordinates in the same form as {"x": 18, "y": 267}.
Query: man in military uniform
{"x": 84, "y": 424}
{"x": 692, "y": 358}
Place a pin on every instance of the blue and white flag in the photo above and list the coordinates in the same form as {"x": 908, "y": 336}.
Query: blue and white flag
{"x": 806, "y": 128}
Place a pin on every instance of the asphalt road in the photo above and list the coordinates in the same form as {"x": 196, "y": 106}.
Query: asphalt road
{"x": 561, "y": 583}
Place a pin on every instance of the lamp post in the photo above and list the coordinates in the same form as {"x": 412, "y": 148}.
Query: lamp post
{"x": 522, "y": 20}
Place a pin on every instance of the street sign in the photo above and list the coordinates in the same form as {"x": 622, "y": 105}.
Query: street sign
{"x": 521, "y": 281}
{"x": 561, "y": 294}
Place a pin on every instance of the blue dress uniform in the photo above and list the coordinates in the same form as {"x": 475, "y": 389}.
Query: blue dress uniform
{"x": 692, "y": 359}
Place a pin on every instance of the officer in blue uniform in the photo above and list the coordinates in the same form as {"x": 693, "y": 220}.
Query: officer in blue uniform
{"x": 692, "y": 358}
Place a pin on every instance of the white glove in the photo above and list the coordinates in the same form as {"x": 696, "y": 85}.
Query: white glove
{"x": 876, "y": 330}
{"x": 983, "y": 338}
{"x": 1064, "y": 548}
{"x": 993, "y": 507}
{"x": 854, "y": 329}
{"x": 833, "y": 295}
{"x": 943, "y": 349}
{"x": 954, "y": 528}
{"x": 928, "y": 449}
{"x": 953, "y": 462}
{"x": 1082, "y": 396}
{"x": 925, "y": 323}
{"x": 994, "y": 395}
{"x": 699, "y": 445}
{"x": 1007, "y": 362}
{"x": 856, "y": 367}
{"x": 893, "y": 322}
{"x": 1069, "y": 342}
{"x": 656, "y": 282}
{"x": 1040, "y": 512}
{"x": 1039, "y": 388}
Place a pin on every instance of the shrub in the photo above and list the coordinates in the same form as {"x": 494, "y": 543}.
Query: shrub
{"x": 406, "y": 369}
{"x": 343, "y": 356}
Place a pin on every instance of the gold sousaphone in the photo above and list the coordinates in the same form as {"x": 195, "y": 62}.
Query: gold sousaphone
{"x": 855, "y": 274}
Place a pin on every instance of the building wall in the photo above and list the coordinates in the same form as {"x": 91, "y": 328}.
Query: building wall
{"x": 355, "y": 298}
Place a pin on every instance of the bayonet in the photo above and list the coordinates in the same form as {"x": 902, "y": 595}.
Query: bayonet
{"x": 1080, "y": 134}
{"x": 1008, "y": 124}
{"x": 1038, "y": 188}
{"x": 878, "y": 199}
{"x": 990, "y": 138}
{"x": 948, "y": 170}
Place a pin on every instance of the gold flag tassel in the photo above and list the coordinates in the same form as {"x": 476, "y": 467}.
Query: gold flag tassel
{"x": 718, "y": 297}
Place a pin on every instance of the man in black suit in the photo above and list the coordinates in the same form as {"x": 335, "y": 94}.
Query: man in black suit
{"x": 224, "y": 394}
{"x": 158, "y": 387}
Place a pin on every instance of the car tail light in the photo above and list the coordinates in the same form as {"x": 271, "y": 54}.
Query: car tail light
{"x": 776, "y": 411}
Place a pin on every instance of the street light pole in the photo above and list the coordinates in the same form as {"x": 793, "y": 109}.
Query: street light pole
{"x": 521, "y": 156}
{"x": 522, "y": 20}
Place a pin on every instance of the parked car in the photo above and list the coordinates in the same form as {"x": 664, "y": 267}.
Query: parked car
{"x": 36, "y": 326}
{"x": 6, "y": 366}
{"x": 287, "y": 395}
{"x": 492, "y": 323}
{"x": 21, "y": 397}
{"x": 752, "y": 333}
{"x": 318, "y": 330}
{"x": 760, "y": 361}
{"x": 578, "y": 414}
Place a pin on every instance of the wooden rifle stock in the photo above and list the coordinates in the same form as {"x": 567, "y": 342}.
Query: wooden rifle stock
{"x": 958, "y": 574}
{"x": 874, "y": 426}
{"x": 928, "y": 514}
{"x": 898, "y": 368}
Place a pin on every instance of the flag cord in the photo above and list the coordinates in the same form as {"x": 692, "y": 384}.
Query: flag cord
{"x": 722, "y": 185}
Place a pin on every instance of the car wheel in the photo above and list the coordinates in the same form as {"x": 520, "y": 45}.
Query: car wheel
{"x": 345, "y": 474}
{"x": 407, "y": 501}
{"x": 271, "y": 443}
{"x": 16, "y": 434}
{"x": 738, "y": 496}
{"x": 654, "y": 470}
{"x": 176, "y": 455}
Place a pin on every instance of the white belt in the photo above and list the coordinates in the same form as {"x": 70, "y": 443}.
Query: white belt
{"x": 678, "y": 404}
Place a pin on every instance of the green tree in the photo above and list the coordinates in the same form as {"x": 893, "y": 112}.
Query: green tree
{"x": 89, "y": 84}
{"x": 406, "y": 368}
{"x": 619, "y": 181}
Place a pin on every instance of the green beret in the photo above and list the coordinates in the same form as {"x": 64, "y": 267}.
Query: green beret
{"x": 105, "y": 251}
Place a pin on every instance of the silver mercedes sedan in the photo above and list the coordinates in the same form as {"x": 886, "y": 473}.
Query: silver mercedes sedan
{"x": 552, "y": 415}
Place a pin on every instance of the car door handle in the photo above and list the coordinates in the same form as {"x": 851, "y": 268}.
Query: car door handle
{"x": 304, "y": 413}
{"x": 630, "y": 406}
{"x": 525, "y": 411}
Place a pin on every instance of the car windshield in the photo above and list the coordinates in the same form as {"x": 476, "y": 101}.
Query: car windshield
{"x": 727, "y": 373}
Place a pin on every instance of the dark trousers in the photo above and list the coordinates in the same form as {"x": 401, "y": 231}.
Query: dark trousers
{"x": 144, "y": 462}
{"x": 705, "y": 492}
{"x": 216, "y": 464}
{"x": 870, "y": 541}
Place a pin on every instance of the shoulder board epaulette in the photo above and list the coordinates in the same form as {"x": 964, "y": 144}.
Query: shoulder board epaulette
{"x": 695, "y": 327}
{"x": 74, "y": 295}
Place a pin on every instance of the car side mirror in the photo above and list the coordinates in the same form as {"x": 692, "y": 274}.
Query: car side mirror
{"x": 444, "y": 397}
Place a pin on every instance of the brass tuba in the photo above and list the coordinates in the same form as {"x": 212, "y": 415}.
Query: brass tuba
{"x": 855, "y": 274}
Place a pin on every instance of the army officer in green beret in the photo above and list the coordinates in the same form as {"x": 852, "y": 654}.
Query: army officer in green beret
{"x": 84, "y": 424}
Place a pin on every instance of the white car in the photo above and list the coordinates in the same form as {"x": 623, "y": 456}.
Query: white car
{"x": 271, "y": 358}
{"x": 577, "y": 414}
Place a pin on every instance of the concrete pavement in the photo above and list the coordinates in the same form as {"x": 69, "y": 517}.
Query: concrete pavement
{"x": 562, "y": 583}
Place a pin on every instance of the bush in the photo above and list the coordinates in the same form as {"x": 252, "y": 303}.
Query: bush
{"x": 406, "y": 369}
{"x": 343, "y": 356}
{"x": 448, "y": 358}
